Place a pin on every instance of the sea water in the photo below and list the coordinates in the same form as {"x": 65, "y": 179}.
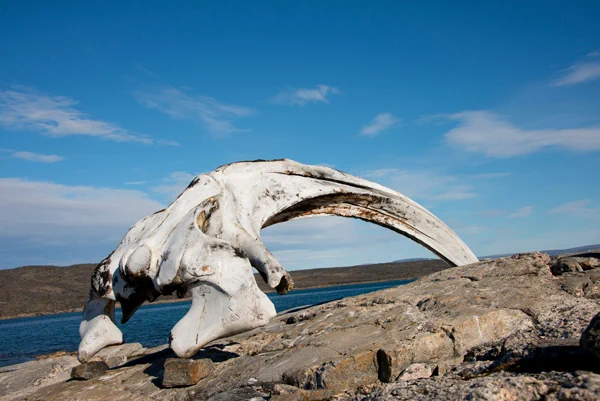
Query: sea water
{"x": 24, "y": 338}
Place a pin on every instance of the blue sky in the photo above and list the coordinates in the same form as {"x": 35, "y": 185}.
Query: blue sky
{"x": 487, "y": 113}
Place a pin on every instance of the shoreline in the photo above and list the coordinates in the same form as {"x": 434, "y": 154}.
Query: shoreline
{"x": 187, "y": 299}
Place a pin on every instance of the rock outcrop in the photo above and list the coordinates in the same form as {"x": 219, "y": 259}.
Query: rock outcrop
{"x": 497, "y": 330}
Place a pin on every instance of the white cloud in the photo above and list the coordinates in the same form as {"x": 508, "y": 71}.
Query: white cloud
{"x": 145, "y": 70}
{"x": 470, "y": 230}
{"x": 380, "y": 123}
{"x": 310, "y": 231}
{"x": 36, "y": 157}
{"x": 40, "y": 209}
{"x": 216, "y": 116}
{"x": 382, "y": 172}
{"x": 302, "y": 96}
{"x": 335, "y": 241}
{"x": 523, "y": 212}
{"x": 579, "y": 208}
{"x": 594, "y": 53}
{"x": 423, "y": 184}
{"x": 456, "y": 192}
{"x": 26, "y": 109}
{"x": 48, "y": 223}
{"x": 491, "y": 213}
{"x": 173, "y": 184}
{"x": 487, "y": 133}
{"x": 579, "y": 73}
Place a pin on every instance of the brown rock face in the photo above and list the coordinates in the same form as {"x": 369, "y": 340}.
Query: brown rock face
{"x": 497, "y": 330}
{"x": 565, "y": 265}
{"x": 590, "y": 339}
{"x": 185, "y": 372}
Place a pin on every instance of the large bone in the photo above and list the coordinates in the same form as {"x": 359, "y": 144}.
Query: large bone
{"x": 208, "y": 240}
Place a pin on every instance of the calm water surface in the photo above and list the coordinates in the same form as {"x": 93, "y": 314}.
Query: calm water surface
{"x": 22, "y": 339}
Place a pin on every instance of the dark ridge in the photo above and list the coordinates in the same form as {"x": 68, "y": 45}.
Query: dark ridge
{"x": 43, "y": 290}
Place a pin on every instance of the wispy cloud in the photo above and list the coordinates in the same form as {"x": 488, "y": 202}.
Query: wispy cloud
{"x": 523, "y": 212}
{"x": 491, "y": 213}
{"x": 489, "y": 176}
{"x": 45, "y": 222}
{"x": 172, "y": 185}
{"x": 457, "y": 192}
{"x": 579, "y": 73}
{"x": 487, "y": 133}
{"x": 135, "y": 182}
{"x": 580, "y": 208}
{"x": 473, "y": 229}
{"x": 326, "y": 241}
{"x": 37, "y": 207}
{"x": 217, "y": 117}
{"x": 302, "y": 96}
{"x": 145, "y": 70}
{"x": 36, "y": 157}
{"x": 381, "y": 122}
{"x": 53, "y": 223}
{"x": 595, "y": 53}
{"x": 27, "y": 109}
{"x": 426, "y": 185}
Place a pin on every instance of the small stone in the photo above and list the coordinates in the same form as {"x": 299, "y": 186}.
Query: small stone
{"x": 238, "y": 394}
{"x": 116, "y": 360}
{"x": 291, "y": 320}
{"x": 185, "y": 372}
{"x": 89, "y": 370}
{"x": 417, "y": 371}
{"x": 279, "y": 389}
{"x": 252, "y": 381}
{"x": 565, "y": 265}
{"x": 590, "y": 339}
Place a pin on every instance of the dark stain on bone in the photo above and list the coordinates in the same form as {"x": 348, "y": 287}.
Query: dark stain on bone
{"x": 165, "y": 256}
{"x": 193, "y": 183}
{"x": 323, "y": 177}
{"x": 224, "y": 166}
{"x": 218, "y": 246}
{"x": 238, "y": 252}
{"x": 101, "y": 278}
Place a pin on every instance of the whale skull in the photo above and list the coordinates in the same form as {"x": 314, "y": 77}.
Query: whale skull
{"x": 207, "y": 241}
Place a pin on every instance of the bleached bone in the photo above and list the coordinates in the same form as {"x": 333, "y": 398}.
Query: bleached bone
{"x": 207, "y": 241}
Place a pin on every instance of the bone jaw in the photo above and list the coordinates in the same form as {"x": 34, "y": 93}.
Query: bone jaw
{"x": 214, "y": 314}
{"x": 208, "y": 240}
{"x": 98, "y": 329}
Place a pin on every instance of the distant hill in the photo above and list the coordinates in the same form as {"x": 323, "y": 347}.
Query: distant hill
{"x": 41, "y": 290}
{"x": 551, "y": 252}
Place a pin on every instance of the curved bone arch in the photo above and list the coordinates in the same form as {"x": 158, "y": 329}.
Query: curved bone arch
{"x": 207, "y": 241}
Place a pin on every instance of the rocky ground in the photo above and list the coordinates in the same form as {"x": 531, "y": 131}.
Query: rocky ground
{"x": 507, "y": 329}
